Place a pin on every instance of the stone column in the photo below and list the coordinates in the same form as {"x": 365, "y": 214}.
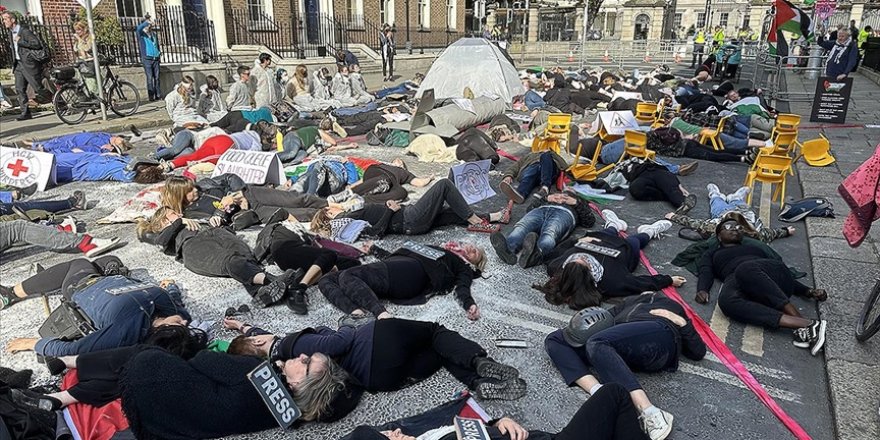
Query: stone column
{"x": 579, "y": 25}
{"x": 216, "y": 13}
{"x": 533, "y": 25}
{"x": 626, "y": 30}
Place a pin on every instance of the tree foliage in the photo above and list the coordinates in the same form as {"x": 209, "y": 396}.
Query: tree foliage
{"x": 108, "y": 31}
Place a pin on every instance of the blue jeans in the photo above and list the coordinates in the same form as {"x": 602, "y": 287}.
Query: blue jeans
{"x": 6, "y": 197}
{"x": 733, "y": 144}
{"x": 740, "y": 130}
{"x": 151, "y": 70}
{"x": 718, "y": 206}
{"x": 542, "y": 173}
{"x": 551, "y": 224}
{"x": 181, "y": 144}
{"x": 611, "y": 153}
{"x": 615, "y": 352}
{"x": 49, "y": 205}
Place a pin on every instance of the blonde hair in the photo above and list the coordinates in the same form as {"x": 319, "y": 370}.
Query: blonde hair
{"x": 314, "y": 395}
{"x": 154, "y": 224}
{"x": 481, "y": 262}
{"x": 173, "y": 193}
{"x": 186, "y": 80}
{"x": 301, "y": 75}
{"x": 321, "y": 222}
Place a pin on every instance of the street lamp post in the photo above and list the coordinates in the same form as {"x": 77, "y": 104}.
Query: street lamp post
{"x": 408, "y": 41}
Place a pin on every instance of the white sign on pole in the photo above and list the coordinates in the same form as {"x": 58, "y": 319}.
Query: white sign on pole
{"x": 472, "y": 180}
{"x": 616, "y": 123}
{"x": 254, "y": 167}
{"x": 22, "y": 168}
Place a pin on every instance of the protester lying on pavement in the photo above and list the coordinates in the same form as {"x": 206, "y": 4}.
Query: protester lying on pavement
{"x": 651, "y": 181}
{"x": 90, "y": 142}
{"x": 121, "y": 309}
{"x": 382, "y": 182}
{"x": 644, "y": 333}
{"x": 75, "y": 202}
{"x": 23, "y": 232}
{"x": 582, "y": 277}
{"x": 407, "y": 277}
{"x": 96, "y": 167}
{"x": 757, "y": 288}
{"x": 534, "y": 170}
{"x": 383, "y": 355}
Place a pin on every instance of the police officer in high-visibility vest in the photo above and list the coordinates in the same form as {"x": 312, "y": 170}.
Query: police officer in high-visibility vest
{"x": 699, "y": 45}
{"x": 718, "y": 38}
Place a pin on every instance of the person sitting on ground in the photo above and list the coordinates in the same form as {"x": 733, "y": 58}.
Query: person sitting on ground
{"x": 359, "y": 86}
{"x": 381, "y": 356}
{"x": 75, "y": 202}
{"x": 534, "y": 170}
{"x": 382, "y": 182}
{"x": 720, "y": 205}
{"x": 607, "y": 415}
{"x": 59, "y": 239}
{"x": 427, "y": 213}
{"x": 211, "y": 105}
{"x": 215, "y": 252}
{"x": 547, "y": 222}
{"x": 647, "y": 320}
{"x": 320, "y": 86}
{"x": 757, "y": 288}
{"x": 240, "y": 96}
{"x": 299, "y": 90}
{"x": 88, "y": 142}
{"x": 118, "y": 320}
{"x": 346, "y": 58}
{"x": 181, "y": 105}
{"x": 342, "y": 91}
{"x": 582, "y": 277}
{"x": 407, "y": 277}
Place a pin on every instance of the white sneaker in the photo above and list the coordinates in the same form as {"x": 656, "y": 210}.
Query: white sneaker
{"x": 655, "y": 229}
{"x": 340, "y": 196}
{"x": 739, "y": 194}
{"x": 658, "y": 426}
{"x": 714, "y": 191}
{"x": 612, "y": 220}
{"x": 5, "y": 104}
{"x": 104, "y": 245}
{"x": 74, "y": 225}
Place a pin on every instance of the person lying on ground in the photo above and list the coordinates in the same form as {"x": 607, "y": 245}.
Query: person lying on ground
{"x": 95, "y": 287}
{"x": 408, "y": 87}
{"x": 23, "y": 232}
{"x": 474, "y": 145}
{"x": 381, "y": 356}
{"x": 382, "y": 182}
{"x": 311, "y": 141}
{"x": 91, "y": 142}
{"x": 534, "y": 170}
{"x": 364, "y": 122}
{"x": 239, "y": 120}
{"x": 751, "y": 111}
{"x": 75, "y": 202}
{"x": 606, "y": 415}
{"x": 427, "y": 213}
{"x": 720, "y": 206}
{"x": 326, "y": 175}
{"x": 547, "y": 222}
{"x": 211, "y": 150}
{"x": 215, "y": 252}
{"x": 757, "y": 289}
{"x": 12, "y": 194}
{"x": 259, "y": 136}
{"x": 582, "y": 277}
{"x": 181, "y": 105}
{"x": 97, "y": 167}
{"x": 650, "y": 181}
{"x": 407, "y": 277}
{"x": 645, "y": 333}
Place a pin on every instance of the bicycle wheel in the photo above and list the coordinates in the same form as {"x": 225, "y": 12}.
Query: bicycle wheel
{"x": 869, "y": 319}
{"x": 65, "y": 102}
{"x": 123, "y": 98}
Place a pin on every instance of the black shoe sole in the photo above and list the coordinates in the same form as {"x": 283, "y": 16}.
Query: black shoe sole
{"x": 495, "y": 370}
{"x": 530, "y": 255}
{"x": 499, "y": 243}
{"x": 511, "y": 390}
{"x": 274, "y": 292}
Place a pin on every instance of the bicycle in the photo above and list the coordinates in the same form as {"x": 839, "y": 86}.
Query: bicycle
{"x": 869, "y": 320}
{"x": 73, "y": 100}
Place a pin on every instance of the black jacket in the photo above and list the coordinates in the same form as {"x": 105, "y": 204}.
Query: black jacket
{"x": 27, "y": 43}
{"x": 474, "y": 145}
{"x": 212, "y": 190}
{"x": 382, "y": 219}
{"x": 444, "y": 273}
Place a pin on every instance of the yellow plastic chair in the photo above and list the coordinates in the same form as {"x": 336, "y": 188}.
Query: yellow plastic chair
{"x": 555, "y": 134}
{"x": 769, "y": 169}
{"x": 636, "y": 145}
{"x": 783, "y": 143}
{"x": 787, "y": 122}
{"x": 713, "y": 135}
{"x": 585, "y": 172}
{"x": 817, "y": 152}
{"x": 646, "y": 112}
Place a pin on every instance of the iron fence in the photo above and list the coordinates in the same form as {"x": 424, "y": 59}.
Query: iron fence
{"x": 312, "y": 35}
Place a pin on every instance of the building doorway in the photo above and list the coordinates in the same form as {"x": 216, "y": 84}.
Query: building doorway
{"x": 642, "y": 24}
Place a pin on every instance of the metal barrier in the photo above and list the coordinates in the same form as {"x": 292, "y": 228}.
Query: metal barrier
{"x": 771, "y": 72}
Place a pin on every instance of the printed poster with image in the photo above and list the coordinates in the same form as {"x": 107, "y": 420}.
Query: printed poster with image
{"x": 22, "y": 168}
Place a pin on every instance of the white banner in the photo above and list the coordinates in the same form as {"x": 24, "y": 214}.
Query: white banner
{"x": 22, "y": 168}
{"x": 472, "y": 180}
{"x": 616, "y": 123}
{"x": 254, "y": 167}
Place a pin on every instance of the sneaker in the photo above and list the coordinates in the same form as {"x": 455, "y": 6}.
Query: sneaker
{"x": 714, "y": 191}
{"x": 104, "y": 245}
{"x": 78, "y": 201}
{"x": 339, "y": 130}
{"x": 494, "y": 389}
{"x": 658, "y": 425}
{"x": 7, "y": 297}
{"x": 72, "y": 224}
{"x": 34, "y": 400}
{"x": 505, "y": 213}
{"x": 689, "y": 202}
{"x": 166, "y": 166}
{"x": 487, "y": 367}
{"x": 739, "y": 194}
{"x": 655, "y": 229}
{"x": 340, "y": 196}
{"x": 485, "y": 227}
{"x": 688, "y": 168}
{"x": 499, "y": 243}
{"x": 273, "y": 292}
{"x": 355, "y": 320}
{"x": 812, "y": 337}
{"x": 751, "y": 156}
{"x": 28, "y": 190}
{"x": 298, "y": 300}
{"x": 511, "y": 192}
{"x": 4, "y": 104}
{"x": 612, "y": 220}
{"x": 530, "y": 255}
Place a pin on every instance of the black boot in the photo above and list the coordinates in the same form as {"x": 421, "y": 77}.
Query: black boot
{"x": 487, "y": 367}
{"x": 7, "y": 297}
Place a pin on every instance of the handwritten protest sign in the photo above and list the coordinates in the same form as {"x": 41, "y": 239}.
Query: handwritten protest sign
{"x": 254, "y": 167}
{"x": 472, "y": 180}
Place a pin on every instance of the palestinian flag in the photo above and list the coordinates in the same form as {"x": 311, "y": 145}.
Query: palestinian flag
{"x": 788, "y": 18}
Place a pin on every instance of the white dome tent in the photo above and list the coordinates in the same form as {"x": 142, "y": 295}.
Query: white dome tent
{"x": 474, "y": 63}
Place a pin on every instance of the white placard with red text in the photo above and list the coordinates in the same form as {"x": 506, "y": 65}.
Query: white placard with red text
{"x": 22, "y": 168}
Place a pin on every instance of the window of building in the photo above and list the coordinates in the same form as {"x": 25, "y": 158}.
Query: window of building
{"x": 259, "y": 10}
{"x": 722, "y": 19}
{"x": 451, "y": 12}
{"x": 129, "y": 8}
{"x": 424, "y": 14}
{"x": 676, "y": 22}
{"x": 355, "y": 10}
{"x": 386, "y": 12}
{"x": 701, "y": 20}
{"x": 746, "y": 18}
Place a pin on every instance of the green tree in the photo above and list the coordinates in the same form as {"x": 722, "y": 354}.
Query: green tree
{"x": 108, "y": 31}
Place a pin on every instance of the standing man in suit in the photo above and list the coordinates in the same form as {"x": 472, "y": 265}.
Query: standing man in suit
{"x": 27, "y": 70}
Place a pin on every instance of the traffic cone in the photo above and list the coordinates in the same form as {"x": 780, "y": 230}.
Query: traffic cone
{"x": 605, "y": 57}
{"x": 570, "y": 56}
{"x": 647, "y": 56}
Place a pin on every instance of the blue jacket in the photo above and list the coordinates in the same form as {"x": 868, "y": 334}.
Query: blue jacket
{"x": 147, "y": 43}
{"x": 533, "y": 100}
{"x": 88, "y": 142}
{"x": 91, "y": 167}
{"x": 840, "y": 64}
{"x": 121, "y": 310}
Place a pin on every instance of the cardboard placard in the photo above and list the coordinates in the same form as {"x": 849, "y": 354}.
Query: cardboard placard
{"x": 254, "y": 167}
{"x": 22, "y": 168}
{"x": 472, "y": 180}
{"x": 616, "y": 123}
{"x": 273, "y": 390}
{"x": 425, "y": 251}
{"x": 831, "y": 101}
{"x": 470, "y": 429}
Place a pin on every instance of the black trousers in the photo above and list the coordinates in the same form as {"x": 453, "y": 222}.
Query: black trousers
{"x": 430, "y": 211}
{"x": 29, "y": 75}
{"x": 291, "y": 255}
{"x": 757, "y": 291}
{"x": 98, "y": 374}
{"x": 607, "y": 415}
{"x": 65, "y": 276}
{"x": 407, "y": 352}
{"x": 357, "y": 288}
{"x": 694, "y": 150}
{"x": 360, "y": 123}
{"x": 379, "y": 187}
{"x": 301, "y": 206}
{"x": 657, "y": 184}
{"x": 232, "y": 122}
{"x": 387, "y": 64}
{"x": 222, "y": 255}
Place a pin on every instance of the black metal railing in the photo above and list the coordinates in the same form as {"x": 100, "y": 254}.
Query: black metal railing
{"x": 313, "y": 35}
{"x": 361, "y": 30}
